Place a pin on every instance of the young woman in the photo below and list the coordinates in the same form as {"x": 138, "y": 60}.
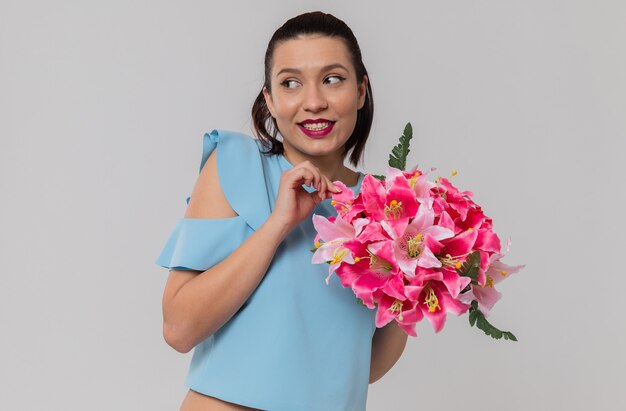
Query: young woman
{"x": 268, "y": 332}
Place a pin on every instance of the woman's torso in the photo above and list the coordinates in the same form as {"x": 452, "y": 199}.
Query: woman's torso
{"x": 297, "y": 343}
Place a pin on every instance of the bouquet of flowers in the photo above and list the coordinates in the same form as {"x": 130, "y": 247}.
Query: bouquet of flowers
{"x": 411, "y": 248}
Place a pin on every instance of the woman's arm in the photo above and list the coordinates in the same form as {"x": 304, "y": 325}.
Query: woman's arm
{"x": 387, "y": 346}
{"x": 198, "y": 303}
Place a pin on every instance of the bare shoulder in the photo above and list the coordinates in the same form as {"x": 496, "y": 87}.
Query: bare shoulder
{"x": 207, "y": 199}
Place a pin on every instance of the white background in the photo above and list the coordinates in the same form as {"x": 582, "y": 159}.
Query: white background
{"x": 102, "y": 110}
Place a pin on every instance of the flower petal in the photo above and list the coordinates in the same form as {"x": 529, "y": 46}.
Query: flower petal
{"x": 427, "y": 259}
{"x": 383, "y": 314}
{"x": 373, "y": 194}
{"x": 461, "y": 244}
{"x": 488, "y": 241}
{"x": 329, "y": 231}
{"x": 438, "y": 233}
{"x": 401, "y": 192}
{"x": 373, "y": 232}
{"x": 437, "y": 314}
{"x": 487, "y": 297}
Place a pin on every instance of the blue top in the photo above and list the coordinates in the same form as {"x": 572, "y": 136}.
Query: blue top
{"x": 296, "y": 343}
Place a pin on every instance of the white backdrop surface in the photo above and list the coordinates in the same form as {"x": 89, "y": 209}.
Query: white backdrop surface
{"x": 102, "y": 110}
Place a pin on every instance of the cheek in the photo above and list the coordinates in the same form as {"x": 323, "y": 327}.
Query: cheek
{"x": 347, "y": 105}
{"x": 285, "y": 107}
{"x": 346, "y": 109}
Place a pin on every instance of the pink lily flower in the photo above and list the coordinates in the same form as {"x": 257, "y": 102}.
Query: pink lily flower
{"x": 347, "y": 206}
{"x": 474, "y": 219}
{"x": 486, "y": 295}
{"x": 449, "y": 197}
{"x": 373, "y": 232}
{"x": 374, "y": 269}
{"x": 335, "y": 233}
{"x": 394, "y": 203}
{"x": 411, "y": 246}
{"x": 435, "y": 301}
{"x": 405, "y": 312}
{"x": 452, "y": 255}
{"x": 487, "y": 241}
{"x": 417, "y": 181}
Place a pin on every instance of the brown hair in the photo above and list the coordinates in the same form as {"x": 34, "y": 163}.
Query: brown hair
{"x": 307, "y": 24}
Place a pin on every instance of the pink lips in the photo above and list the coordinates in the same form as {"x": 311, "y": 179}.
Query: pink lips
{"x": 317, "y": 133}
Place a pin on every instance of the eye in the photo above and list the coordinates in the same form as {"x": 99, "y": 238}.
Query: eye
{"x": 334, "y": 79}
{"x": 291, "y": 84}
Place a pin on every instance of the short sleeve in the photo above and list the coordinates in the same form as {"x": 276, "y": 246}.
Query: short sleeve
{"x": 200, "y": 243}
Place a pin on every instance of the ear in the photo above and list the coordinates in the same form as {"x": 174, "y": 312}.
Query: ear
{"x": 362, "y": 91}
{"x": 268, "y": 101}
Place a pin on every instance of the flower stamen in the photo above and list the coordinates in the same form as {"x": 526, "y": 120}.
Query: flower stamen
{"x": 344, "y": 206}
{"x": 413, "y": 245}
{"x": 413, "y": 179}
{"x": 394, "y": 209}
{"x": 377, "y": 263}
{"x": 396, "y": 307}
{"x": 450, "y": 261}
{"x": 431, "y": 300}
{"x": 338, "y": 255}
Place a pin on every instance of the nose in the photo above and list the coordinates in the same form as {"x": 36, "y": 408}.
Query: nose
{"x": 314, "y": 100}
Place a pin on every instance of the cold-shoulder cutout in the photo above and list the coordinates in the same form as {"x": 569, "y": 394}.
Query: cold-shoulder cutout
{"x": 240, "y": 172}
{"x": 200, "y": 243}
{"x": 208, "y": 199}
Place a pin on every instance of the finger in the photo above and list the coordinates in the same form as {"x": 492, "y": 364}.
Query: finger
{"x": 314, "y": 172}
{"x": 323, "y": 195}
{"x": 324, "y": 187}
{"x": 332, "y": 187}
{"x": 303, "y": 175}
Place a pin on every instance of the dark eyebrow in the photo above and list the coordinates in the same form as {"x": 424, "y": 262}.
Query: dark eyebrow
{"x": 325, "y": 68}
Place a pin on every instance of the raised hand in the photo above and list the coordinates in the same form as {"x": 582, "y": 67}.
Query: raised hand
{"x": 294, "y": 203}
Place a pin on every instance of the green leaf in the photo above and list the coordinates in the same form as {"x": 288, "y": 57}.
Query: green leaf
{"x": 472, "y": 319}
{"x": 470, "y": 267}
{"x": 379, "y": 177}
{"x": 477, "y": 317}
{"x": 399, "y": 153}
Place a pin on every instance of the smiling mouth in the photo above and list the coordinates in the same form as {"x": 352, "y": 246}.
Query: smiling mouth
{"x": 316, "y": 128}
{"x": 317, "y": 125}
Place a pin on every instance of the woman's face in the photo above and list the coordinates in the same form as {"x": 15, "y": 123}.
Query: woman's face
{"x": 314, "y": 97}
